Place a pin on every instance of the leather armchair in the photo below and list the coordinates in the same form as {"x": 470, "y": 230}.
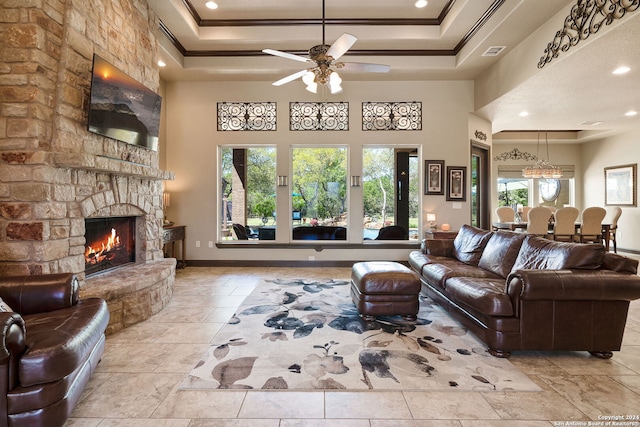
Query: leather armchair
{"x": 50, "y": 345}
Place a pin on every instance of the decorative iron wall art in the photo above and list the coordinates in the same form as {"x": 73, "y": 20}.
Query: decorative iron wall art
{"x": 319, "y": 115}
{"x": 392, "y": 115}
{"x": 515, "y": 154}
{"x": 586, "y": 18}
{"x": 247, "y": 116}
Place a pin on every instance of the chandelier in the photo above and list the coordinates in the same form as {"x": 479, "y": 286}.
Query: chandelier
{"x": 542, "y": 168}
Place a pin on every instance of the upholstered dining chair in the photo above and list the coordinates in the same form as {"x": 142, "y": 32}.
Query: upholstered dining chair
{"x": 506, "y": 214}
{"x": 612, "y": 217}
{"x": 538, "y": 222}
{"x": 591, "y": 228}
{"x": 525, "y": 213}
{"x": 564, "y": 227}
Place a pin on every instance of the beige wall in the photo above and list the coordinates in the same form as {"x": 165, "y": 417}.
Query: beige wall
{"x": 614, "y": 151}
{"x": 192, "y": 141}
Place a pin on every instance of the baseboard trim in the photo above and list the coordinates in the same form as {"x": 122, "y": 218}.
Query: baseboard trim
{"x": 250, "y": 263}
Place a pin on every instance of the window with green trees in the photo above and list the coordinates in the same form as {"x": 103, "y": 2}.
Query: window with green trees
{"x": 248, "y": 192}
{"x": 319, "y": 185}
{"x": 387, "y": 201}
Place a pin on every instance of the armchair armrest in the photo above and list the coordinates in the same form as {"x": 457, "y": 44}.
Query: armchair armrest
{"x": 40, "y": 293}
{"x": 437, "y": 247}
{"x": 12, "y": 345}
{"x": 573, "y": 285}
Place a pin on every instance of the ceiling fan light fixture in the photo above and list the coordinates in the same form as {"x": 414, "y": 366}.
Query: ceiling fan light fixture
{"x": 313, "y": 87}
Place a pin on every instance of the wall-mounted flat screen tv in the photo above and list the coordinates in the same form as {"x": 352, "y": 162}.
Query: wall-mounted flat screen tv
{"x": 122, "y": 108}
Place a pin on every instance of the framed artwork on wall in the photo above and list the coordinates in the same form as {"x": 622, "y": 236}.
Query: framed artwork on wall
{"x": 434, "y": 177}
{"x": 620, "y": 185}
{"x": 457, "y": 183}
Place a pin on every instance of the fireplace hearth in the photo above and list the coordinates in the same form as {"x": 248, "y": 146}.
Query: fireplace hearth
{"x": 110, "y": 243}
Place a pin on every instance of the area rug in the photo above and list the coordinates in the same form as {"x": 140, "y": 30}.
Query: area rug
{"x": 307, "y": 335}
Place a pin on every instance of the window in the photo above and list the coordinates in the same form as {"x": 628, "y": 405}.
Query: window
{"x": 248, "y": 193}
{"x": 319, "y": 191}
{"x": 390, "y": 190}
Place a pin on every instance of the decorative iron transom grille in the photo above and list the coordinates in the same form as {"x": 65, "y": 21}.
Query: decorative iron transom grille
{"x": 319, "y": 115}
{"x": 392, "y": 115}
{"x": 246, "y": 116}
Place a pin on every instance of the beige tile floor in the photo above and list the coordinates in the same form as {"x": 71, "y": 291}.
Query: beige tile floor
{"x": 136, "y": 382}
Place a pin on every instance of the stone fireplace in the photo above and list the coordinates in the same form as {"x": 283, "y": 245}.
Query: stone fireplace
{"x": 54, "y": 174}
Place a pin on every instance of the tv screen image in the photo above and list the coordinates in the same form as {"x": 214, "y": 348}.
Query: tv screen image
{"x": 122, "y": 108}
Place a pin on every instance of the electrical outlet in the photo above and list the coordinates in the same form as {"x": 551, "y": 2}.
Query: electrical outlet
{"x": 197, "y": 243}
{"x": 211, "y": 243}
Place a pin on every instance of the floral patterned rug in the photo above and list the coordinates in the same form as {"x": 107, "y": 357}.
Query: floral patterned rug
{"x": 307, "y": 335}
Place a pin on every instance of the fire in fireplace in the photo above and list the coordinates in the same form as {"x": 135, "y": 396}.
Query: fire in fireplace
{"x": 110, "y": 243}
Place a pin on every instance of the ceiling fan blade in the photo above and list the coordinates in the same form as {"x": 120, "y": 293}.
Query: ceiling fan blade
{"x": 362, "y": 66}
{"x": 289, "y": 78}
{"x": 286, "y": 55}
{"x": 342, "y": 45}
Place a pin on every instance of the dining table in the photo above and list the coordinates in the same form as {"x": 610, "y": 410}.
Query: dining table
{"x": 522, "y": 226}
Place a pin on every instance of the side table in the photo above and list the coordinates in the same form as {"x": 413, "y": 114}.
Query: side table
{"x": 171, "y": 234}
{"x": 440, "y": 234}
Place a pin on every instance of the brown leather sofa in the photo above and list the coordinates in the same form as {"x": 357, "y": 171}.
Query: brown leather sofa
{"x": 522, "y": 292}
{"x": 50, "y": 345}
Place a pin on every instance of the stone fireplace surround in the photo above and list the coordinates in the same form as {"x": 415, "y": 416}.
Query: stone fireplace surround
{"x": 54, "y": 173}
{"x": 136, "y": 291}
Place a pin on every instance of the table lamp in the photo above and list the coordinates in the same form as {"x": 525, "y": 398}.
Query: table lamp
{"x": 431, "y": 217}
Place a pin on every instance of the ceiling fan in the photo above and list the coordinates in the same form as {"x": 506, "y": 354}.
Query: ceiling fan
{"x": 324, "y": 58}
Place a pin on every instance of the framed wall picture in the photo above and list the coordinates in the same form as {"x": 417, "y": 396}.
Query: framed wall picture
{"x": 434, "y": 177}
{"x": 620, "y": 185}
{"x": 457, "y": 183}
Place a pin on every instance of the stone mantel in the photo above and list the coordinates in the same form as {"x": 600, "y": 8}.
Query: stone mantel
{"x": 104, "y": 164}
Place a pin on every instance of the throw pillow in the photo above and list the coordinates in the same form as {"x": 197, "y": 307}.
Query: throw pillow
{"x": 543, "y": 254}
{"x": 4, "y": 307}
{"x": 469, "y": 244}
{"x": 501, "y": 252}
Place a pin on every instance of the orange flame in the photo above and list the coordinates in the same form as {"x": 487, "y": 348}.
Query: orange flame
{"x": 95, "y": 256}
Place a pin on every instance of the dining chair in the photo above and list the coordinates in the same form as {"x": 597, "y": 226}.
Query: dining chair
{"x": 538, "y": 222}
{"x": 505, "y": 214}
{"x": 564, "y": 226}
{"x": 591, "y": 227}
{"x": 525, "y": 213}
{"x": 612, "y": 217}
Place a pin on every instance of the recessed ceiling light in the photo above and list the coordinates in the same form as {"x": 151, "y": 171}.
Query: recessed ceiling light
{"x": 161, "y": 63}
{"x": 523, "y": 114}
{"x": 421, "y": 3}
{"x": 630, "y": 113}
{"x": 621, "y": 70}
{"x": 211, "y": 5}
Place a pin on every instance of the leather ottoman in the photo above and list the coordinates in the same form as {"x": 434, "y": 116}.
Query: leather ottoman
{"x": 384, "y": 288}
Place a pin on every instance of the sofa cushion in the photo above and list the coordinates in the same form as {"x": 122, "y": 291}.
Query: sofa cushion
{"x": 469, "y": 244}
{"x": 484, "y": 295}
{"x": 59, "y": 341}
{"x": 501, "y": 252}
{"x": 619, "y": 263}
{"x": 437, "y": 273}
{"x": 543, "y": 254}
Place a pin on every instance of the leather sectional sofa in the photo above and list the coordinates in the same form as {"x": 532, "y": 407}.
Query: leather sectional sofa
{"x": 522, "y": 292}
{"x": 50, "y": 345}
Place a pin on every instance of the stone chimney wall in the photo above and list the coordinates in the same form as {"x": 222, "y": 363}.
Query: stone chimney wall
{"x": 53, "y": 172}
